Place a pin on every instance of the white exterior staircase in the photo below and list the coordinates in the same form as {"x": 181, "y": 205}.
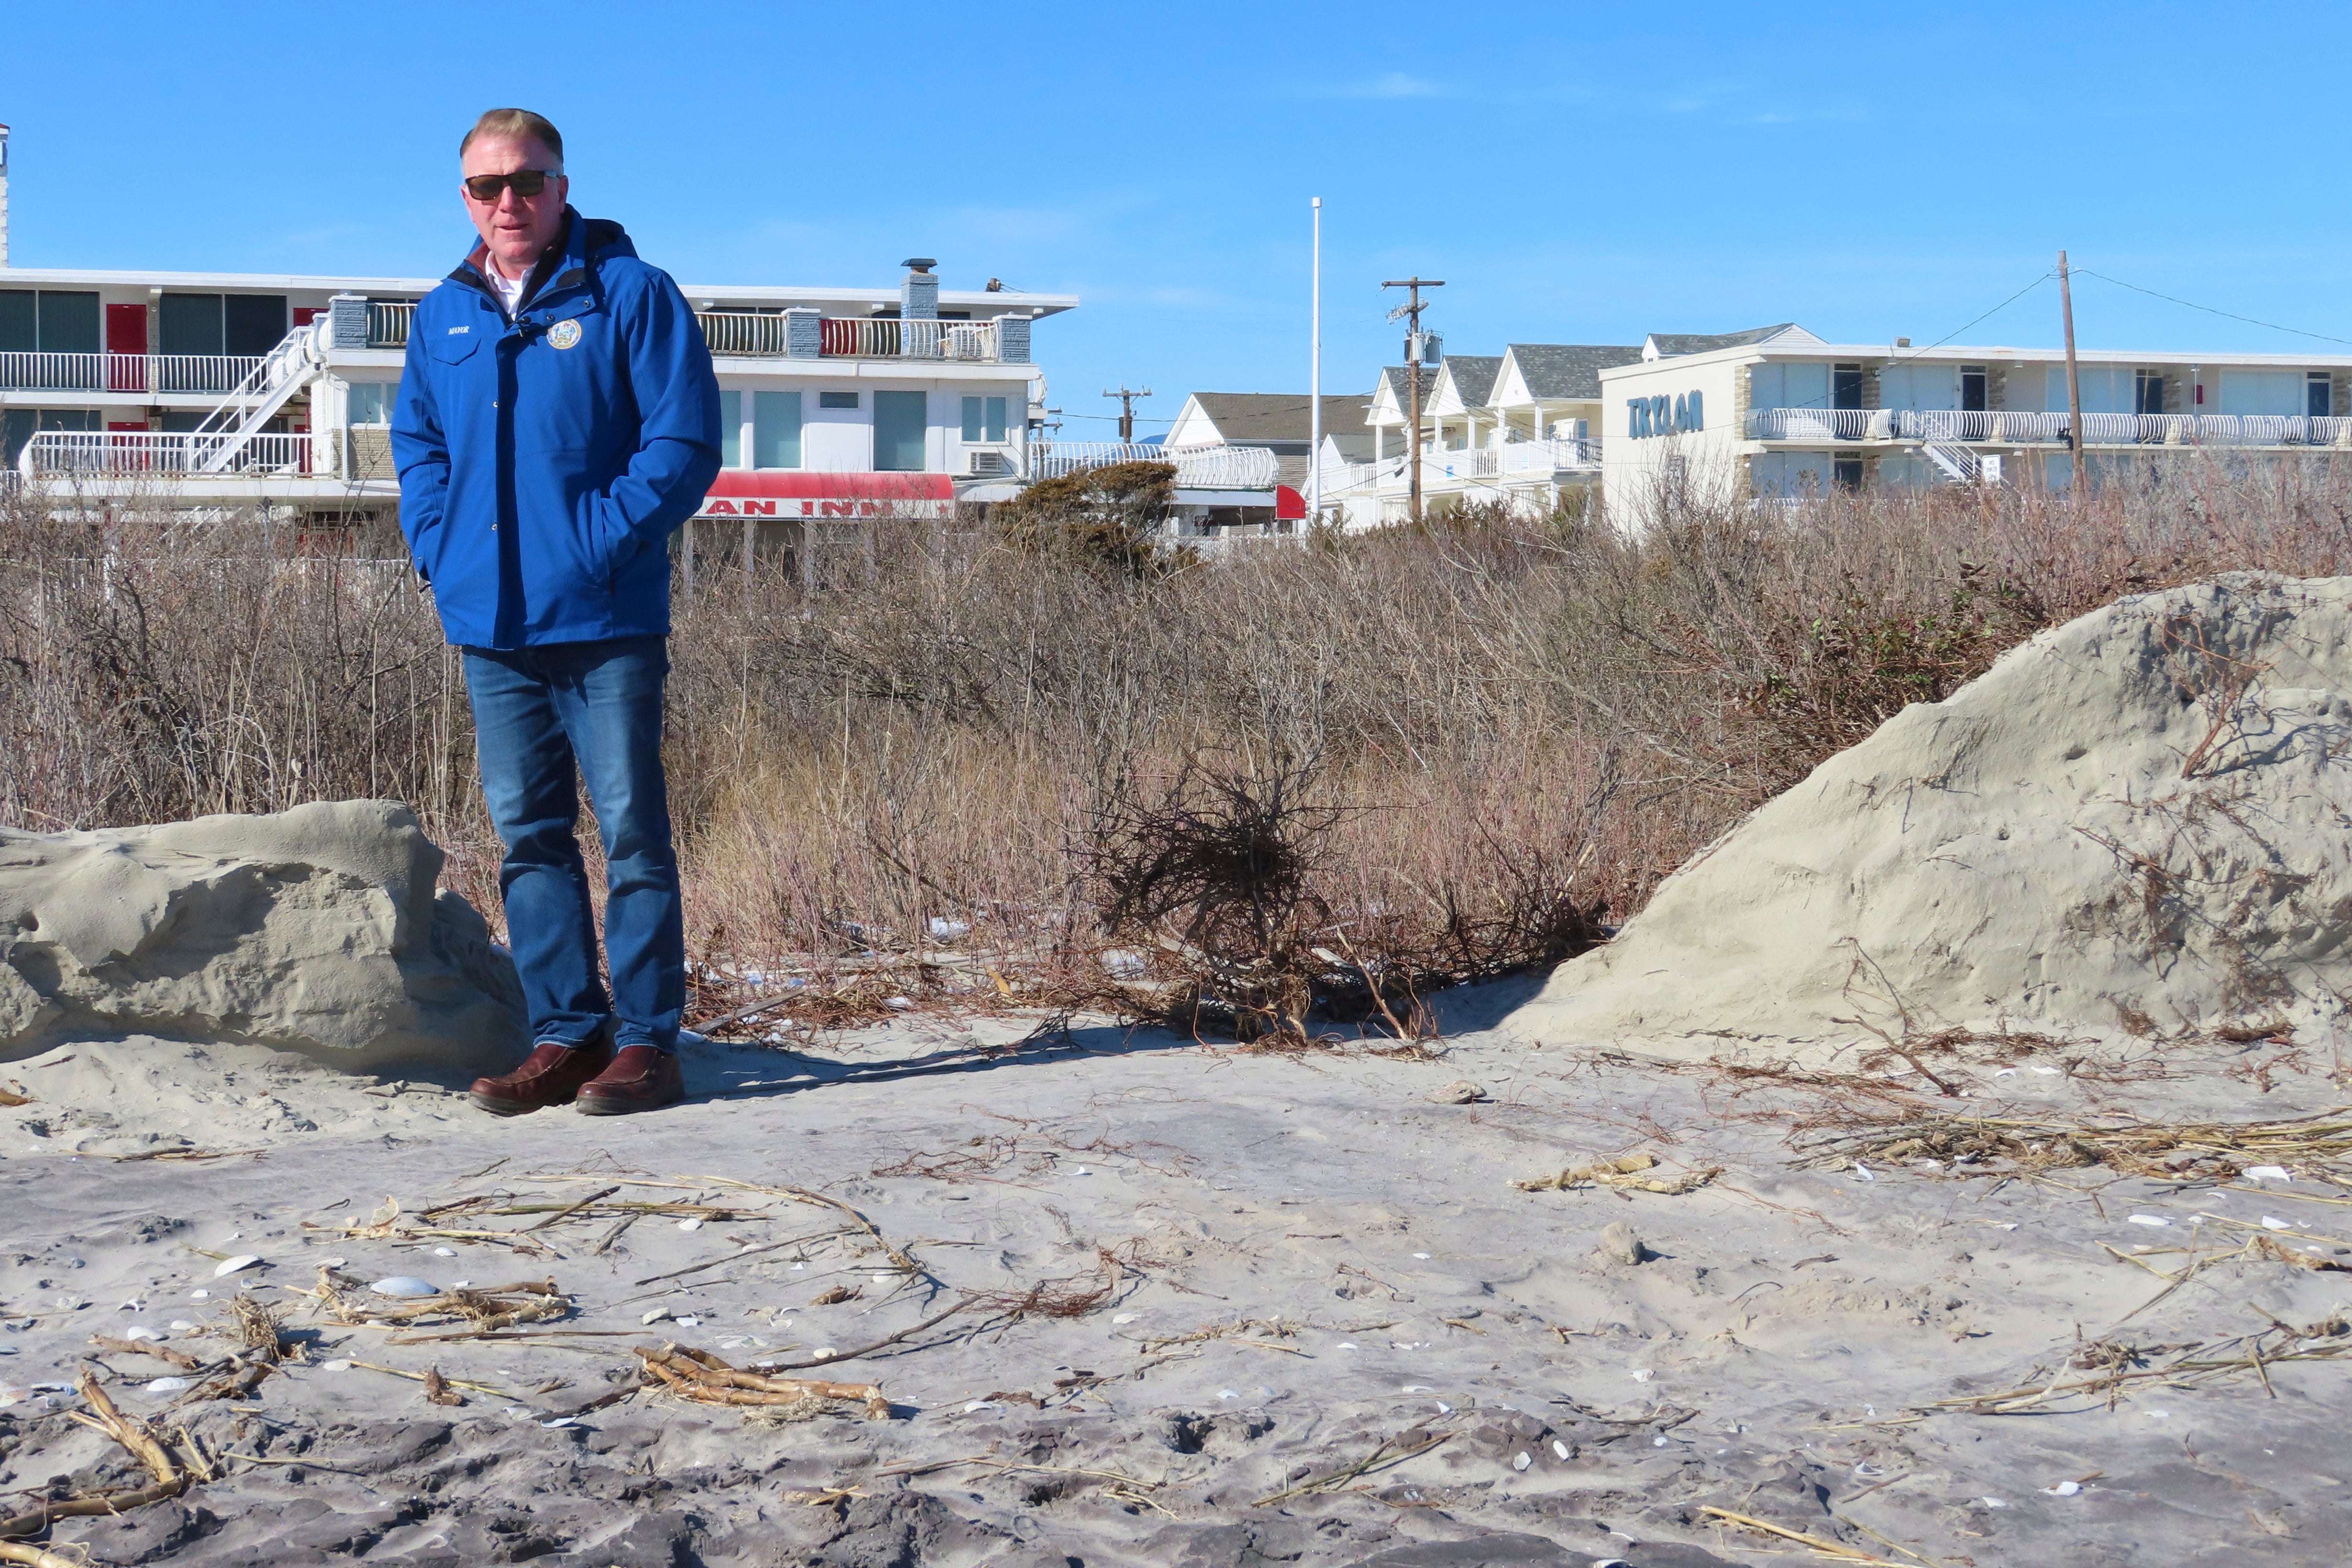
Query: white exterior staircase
{"x": 1954, "y": 465}
{"x": 297, "y": 361}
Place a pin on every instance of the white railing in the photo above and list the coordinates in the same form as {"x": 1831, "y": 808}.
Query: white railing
{"x": 388, "y": 322}
{"x": 761, "y": 334}
{"x": 1347, "y": 476}
{"x": 1947, "y": 424}
{"x": 114, "y": 454}
{"x": 743, "y": 331}
{"x": 1514, "y": 457}
{"x": 882, "y": 338}
{"x": 1810, "y": 423}
{"x": 1213, "y": 467}
{"x": 2023, "y": 428}
{"x": 1561, "y": 454}
{"x": 211, "y": 375}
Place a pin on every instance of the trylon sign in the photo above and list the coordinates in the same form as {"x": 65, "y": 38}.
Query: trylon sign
{"x": 1665, "y": 416}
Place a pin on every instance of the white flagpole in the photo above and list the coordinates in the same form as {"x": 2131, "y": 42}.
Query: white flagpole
{"x": 1315, "y": 384}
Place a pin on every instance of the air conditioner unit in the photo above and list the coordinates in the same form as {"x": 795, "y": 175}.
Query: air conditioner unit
{"x": 990, "y": 466}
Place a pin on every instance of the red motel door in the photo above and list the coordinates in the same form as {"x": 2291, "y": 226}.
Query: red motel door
{"x": 126, "y": 335}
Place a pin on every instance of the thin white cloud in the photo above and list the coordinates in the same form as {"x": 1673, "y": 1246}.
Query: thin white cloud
{"x": 1391, "y": 84}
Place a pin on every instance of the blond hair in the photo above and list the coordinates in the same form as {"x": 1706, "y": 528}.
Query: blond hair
{"x": 520, "y": 125}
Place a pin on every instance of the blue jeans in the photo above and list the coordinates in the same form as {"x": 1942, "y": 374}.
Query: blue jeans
{"x": 546, "y": 719}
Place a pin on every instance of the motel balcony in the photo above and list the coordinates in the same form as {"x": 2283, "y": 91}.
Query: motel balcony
{"x": 2011, "y": 428}
{"x": 805, "y": 334}
{"x": 201, "y": 375}
{"x": 137, "y": 454}
{"x": 783, "y": 334}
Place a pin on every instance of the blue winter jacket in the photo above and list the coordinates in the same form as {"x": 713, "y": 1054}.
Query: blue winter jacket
{"x": 544, "y": 462}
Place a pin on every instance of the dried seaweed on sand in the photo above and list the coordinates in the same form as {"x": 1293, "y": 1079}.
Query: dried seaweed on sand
{"x": 2116, "y": 1368}
{"x": 1627, "y": 1174}
{"x": 2197, "y": 1152}
{"x": 699, "y": 1375}
{"x": 171, "y": 1477}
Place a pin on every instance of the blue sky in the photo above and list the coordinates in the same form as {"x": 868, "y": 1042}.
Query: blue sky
{"x": 1576, "y": 175}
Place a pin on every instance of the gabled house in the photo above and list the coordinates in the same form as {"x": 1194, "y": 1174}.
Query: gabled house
{"x": 1457, "y": 399}
{"x": 1390, "y": 403}
{"x": 1277, "y": 422}
{"x": 1541, "y": 384}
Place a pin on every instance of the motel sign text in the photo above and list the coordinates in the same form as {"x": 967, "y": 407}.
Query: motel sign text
{"x": 1665, "y": 416}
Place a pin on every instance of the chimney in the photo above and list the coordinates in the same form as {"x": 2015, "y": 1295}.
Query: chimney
{"x": 918, "y": 296}
{"x": 4, "y": 195}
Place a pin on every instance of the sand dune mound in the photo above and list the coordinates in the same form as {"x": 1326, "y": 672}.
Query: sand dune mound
{"x": 317, "y": 928}
{"x": 2136, "y": 822}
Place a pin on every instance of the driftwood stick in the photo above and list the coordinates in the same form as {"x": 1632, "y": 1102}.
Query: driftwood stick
{"x": 568, "y": 1212}
{"x": 179, "y": 1359}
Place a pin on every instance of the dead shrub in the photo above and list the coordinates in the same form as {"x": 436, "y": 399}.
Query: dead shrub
{"x": 1112, "y": 516}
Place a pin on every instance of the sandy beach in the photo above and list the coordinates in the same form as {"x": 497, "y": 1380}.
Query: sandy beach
{"x": 1205, "y": 1307}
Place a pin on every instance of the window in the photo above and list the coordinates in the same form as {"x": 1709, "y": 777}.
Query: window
{"x": 983, "y": 419}
{"x": 253, "y": 323}
{"x": 247, "y": 324}
{"x": 1845, "y": 471}
{"x": 2318, "y": 394}
{"x": 900, "y": 421}
{"x": 776, "y": 429}
{"x": 50, "y": 322}
{"x": 190, "y": 324}
{"x": 1845, "y": 388}
{"x": 1972, "y": 389}
{"x": 836, "y": 400}
{"x": 2147, "y": 392}
{"x": 369, "y": 402}
{"x": 731, "y": 429}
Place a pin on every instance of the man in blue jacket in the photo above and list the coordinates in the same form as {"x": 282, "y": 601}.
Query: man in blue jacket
{"x": 558, "y": 418}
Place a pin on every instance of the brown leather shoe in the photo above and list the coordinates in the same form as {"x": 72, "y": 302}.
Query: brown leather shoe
{"x": 551, "y": 1075}
{"x": 640, "y": 1079}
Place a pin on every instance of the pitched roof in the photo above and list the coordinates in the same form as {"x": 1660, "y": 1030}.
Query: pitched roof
{"x": 1393, "y": 375}
{"x": 1669, "y": 344}
{"x": 1474, "y": 376}
{"x": 1569, "y": 370}
{"x": 1241, "y": 417}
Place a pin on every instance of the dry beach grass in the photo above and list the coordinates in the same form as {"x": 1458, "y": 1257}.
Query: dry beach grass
{"x": 938, "y": 775}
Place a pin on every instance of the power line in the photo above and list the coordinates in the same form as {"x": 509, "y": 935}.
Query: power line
{"x": 2209, "y": 310}
{"x": 1955, "y": 332}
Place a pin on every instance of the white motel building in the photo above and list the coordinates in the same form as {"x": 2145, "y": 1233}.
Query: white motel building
{"x": 1788, "y": 416}
{"x": 1775, "y": 415}
{"x": 233, "y": 390}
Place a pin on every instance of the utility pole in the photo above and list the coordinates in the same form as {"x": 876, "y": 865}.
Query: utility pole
{"x": 1414, "y": 341}
{"x": 1315, "y": 382}
{"x": 1127, "y": 411}
{"x": 2074, "y": 383}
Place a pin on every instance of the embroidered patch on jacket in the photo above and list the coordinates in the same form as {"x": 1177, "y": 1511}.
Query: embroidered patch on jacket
{"x": 455, "y": 331}
{"x": 563, "y": 334}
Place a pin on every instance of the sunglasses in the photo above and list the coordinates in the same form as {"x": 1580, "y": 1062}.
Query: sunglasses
{"x": 525, "y": 183}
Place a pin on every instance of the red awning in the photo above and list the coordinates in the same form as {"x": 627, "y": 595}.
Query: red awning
{"x": 1288, "y": 504}
{"x": 794, "y": 492}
